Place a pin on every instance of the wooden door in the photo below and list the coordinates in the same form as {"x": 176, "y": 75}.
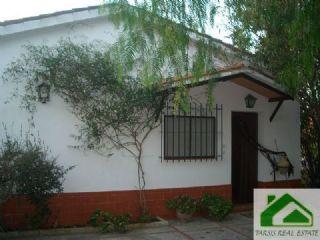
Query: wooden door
{"x": 244, "y": 157}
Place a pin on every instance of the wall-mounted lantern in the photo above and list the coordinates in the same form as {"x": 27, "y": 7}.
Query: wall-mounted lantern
{"x": 43, "y": 90}
{"x": 250, "y": 101}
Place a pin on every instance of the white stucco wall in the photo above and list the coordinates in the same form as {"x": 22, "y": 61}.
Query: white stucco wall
{"x": 56, "y": 124}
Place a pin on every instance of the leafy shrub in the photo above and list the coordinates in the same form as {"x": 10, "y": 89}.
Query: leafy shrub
{"x": 26, "y": 168}
{"x": 217, "y": 207}
{"x": 10, "y": 149}
{"x": 97, "y": 217}
{"x": 109, "y": 223}
{"x": 120, "y": 223}
{"x": 184, "y": 204}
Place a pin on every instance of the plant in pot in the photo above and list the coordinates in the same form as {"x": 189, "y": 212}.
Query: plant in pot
{"x": 184, "y": 205}
{"x": 217, "y": 207}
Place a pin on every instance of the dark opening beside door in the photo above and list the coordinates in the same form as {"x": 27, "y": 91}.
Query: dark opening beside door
{"x": 244, "y": 157}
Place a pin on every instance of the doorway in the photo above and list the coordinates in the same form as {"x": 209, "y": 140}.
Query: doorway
{"x": 244, "y": 157}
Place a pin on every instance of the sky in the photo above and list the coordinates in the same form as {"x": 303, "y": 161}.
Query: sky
{"x": 14, "y": 9}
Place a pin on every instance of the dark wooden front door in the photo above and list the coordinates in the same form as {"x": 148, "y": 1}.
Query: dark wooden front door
{"x": 244, "y": 156}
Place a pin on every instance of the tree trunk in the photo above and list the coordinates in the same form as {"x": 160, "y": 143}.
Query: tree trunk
{"x": 142, "y": 184}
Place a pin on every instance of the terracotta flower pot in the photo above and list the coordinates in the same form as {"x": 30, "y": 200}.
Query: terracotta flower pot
{"x": 184, "y": 217}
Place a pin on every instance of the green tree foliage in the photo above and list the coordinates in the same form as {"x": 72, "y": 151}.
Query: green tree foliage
{"x": 27, "y": 168}
{"x": 156, "y": 37}
{"x": 285, "y": 36}
{"x": 114, "y": 113}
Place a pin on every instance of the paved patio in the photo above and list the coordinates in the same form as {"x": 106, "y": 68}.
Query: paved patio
{"x": 236, "y": 227}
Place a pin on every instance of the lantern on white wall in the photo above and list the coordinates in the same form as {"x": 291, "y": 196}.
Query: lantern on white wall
{"x": 43, "y": 90}
{"x": 250, "y": 101}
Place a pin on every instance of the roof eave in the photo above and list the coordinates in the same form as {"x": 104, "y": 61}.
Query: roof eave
{"x": 234, "y": 72}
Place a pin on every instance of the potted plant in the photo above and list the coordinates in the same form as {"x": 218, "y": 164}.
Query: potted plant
{"x": 184, "y": 205}
{"x": 216, "y": 206}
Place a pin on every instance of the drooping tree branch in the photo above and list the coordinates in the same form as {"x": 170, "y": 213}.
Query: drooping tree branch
{"x": 164, "y": 40}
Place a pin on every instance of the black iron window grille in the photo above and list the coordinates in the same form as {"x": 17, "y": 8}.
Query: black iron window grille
{"x": 191, "y": 135}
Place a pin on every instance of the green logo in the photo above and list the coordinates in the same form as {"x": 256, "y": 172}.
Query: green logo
{"x": 285, "y": 211}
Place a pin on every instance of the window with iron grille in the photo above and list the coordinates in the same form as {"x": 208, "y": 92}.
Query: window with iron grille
{"x": 189, "y": 137}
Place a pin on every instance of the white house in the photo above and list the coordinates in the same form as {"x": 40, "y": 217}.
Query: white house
{"x": 231, "y": 166}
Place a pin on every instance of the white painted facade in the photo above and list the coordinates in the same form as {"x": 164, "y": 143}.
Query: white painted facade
{"x": 93, "y": 172}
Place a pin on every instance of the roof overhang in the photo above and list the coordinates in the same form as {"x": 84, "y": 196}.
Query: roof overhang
{"x": 272, "y": 92}
{"x": 255, "y": 80}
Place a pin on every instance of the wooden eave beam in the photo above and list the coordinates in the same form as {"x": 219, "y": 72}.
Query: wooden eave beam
{"x": 279, "y": 99}
{"x": 276, "y": 110}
